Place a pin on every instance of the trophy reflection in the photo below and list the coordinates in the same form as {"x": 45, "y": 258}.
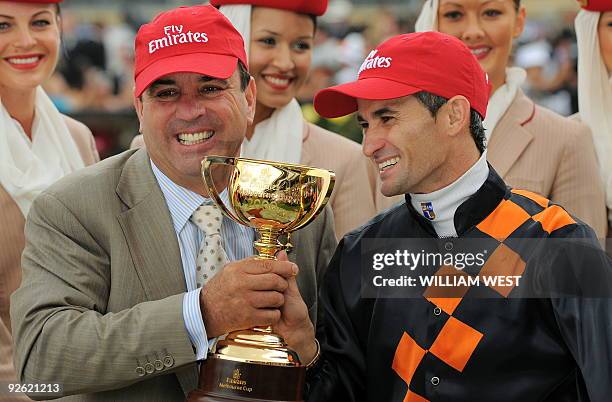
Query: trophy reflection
{"x": 275, "y": 199}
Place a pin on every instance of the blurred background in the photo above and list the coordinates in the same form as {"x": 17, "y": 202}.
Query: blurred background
{"x": 93, "y": 82}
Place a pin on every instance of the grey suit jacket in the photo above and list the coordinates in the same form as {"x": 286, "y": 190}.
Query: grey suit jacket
{"x": 103, "y": 286}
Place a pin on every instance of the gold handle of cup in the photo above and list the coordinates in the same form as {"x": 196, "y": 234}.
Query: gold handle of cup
{"x": 207, "y": 163}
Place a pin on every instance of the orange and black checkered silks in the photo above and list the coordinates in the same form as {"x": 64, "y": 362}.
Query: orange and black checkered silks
{"x": 519, "y": 213}
{"x": 480, "y": 345}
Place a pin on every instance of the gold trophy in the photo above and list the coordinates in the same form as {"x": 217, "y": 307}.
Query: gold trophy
{"x": 275, "y": 199}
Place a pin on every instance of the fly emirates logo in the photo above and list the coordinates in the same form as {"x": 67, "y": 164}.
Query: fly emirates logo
{"x": 174, "y": 35}
{"x": 374, "y": 61}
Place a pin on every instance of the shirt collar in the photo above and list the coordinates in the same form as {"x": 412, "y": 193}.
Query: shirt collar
{"x": 181, "y": 201}
{"x": 441, "y": 205}
{"x": 474, "y": 210}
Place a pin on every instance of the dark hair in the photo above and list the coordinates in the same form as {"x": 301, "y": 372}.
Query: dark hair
{"x": 517, "y": 4}
{"x": 314, "y": 21}
{"x": 245, "y": 77}
{"x": 433, "y": 103}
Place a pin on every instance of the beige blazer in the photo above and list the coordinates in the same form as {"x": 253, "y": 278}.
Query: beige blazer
{"x": 12, "y": 239}
{"x": 576, "y": 117}
{"x": 103, "y": 286}
{"x": 535, "y": 149}
{"x": 353, "y": 200}
{"x": 11, "y": 229}
{"x": 7, "y": 371}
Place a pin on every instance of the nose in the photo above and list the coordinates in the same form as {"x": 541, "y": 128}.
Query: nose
{"x": 283, "y": 58}
{"x": 190, "y": 108}
{"x": 372, "y": 143}
{"x": 25, "y": 39}
{"x": 473, "y": 30}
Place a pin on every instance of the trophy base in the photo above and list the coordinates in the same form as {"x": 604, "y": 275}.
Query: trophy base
{"x": 223, "y": 380}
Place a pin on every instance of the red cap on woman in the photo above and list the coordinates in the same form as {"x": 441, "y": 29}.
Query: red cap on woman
{"x": 314, "y": 7}
{"x": 596, "y": 5}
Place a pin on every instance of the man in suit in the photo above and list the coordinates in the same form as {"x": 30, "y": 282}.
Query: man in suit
{"x": 121, "y": 294}
{"x": 435, "y": 327}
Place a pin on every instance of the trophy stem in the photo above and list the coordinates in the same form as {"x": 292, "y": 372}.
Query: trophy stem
{"x": 268, "y": 245}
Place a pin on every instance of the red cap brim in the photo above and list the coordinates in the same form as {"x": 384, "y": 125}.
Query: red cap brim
{"x": 342, "y": 99}
{"x": 213, "y": 65}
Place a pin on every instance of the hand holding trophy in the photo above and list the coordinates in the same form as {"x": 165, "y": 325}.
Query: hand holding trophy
{"x": 275, "y": 199}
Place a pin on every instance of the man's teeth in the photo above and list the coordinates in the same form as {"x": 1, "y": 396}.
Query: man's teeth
{"x": 389, "y": 162}
{"x": 29, "y": 60}
{"x": 278, "y": 81}
{"x": 195, "y": 138}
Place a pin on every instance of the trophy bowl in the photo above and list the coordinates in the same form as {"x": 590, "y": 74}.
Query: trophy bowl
{"x": 275, "y": 199}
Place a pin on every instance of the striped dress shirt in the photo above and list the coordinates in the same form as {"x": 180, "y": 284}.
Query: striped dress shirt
{"x": 237, "y": 242}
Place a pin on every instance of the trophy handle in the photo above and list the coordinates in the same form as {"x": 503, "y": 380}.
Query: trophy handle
{"x": 207, "y": 162}
{"x": 329, "y": 179}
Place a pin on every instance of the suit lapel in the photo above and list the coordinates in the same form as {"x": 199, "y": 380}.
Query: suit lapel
{"x": 149, "y": 233}
{"x": 148, "y": 230}
{"x": 509, "y": 139}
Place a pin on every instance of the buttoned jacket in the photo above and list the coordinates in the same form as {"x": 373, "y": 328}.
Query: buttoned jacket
{"x": 103, "y": 286}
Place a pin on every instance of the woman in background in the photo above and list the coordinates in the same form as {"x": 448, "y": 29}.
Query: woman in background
{"x": 38, "y": 145}
{"x": 594, "y": 35}
{"x": 531, "y": 147}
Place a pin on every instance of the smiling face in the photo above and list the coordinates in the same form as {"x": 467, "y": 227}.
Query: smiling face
{"x": 279, "y": 57}
{"x": 605, "y": 38}
{"x": 487, "y": 27}
{"x": 405, "y": 141}
{"x": 29, "y": 44}
{"x": 186, "y": 116}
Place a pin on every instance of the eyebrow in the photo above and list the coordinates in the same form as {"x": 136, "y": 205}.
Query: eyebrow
{"x": 33, "y": 16}
{"x": 168, "y": 81}
{"x": 379, "y": 112}
{"x": 269, "y": 32}
{"x": 451, "y": 3}
{"x": 278, "y": 34}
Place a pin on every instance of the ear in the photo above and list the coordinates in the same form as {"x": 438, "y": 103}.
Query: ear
{"x": 138, "y": 106}
{"x": 250, "y": 94}
{"x": 457, "y": 110}
{"x": 519, "y": 25}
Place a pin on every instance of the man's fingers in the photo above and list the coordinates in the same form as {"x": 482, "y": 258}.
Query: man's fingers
{"x": 282, "y": 256}
{"x": 268, "y": 281}
{"x": 265, "y": 299}
{"x": 263, "y": 317}
{"x": 292, "y": 289}
{"x": 285, "y": 269}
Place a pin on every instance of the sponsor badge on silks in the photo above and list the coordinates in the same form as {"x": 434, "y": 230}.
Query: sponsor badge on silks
{"x": 428, "y": 210}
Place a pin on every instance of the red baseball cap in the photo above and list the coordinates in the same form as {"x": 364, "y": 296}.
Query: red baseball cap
{"x": 314, "y": 7}
{"x": 406, "y": 64}
{"x": 197, "y": 39}
{"x": 596, "y": 5}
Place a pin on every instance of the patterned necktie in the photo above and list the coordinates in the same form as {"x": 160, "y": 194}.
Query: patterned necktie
{"x": 211, "y": 256}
